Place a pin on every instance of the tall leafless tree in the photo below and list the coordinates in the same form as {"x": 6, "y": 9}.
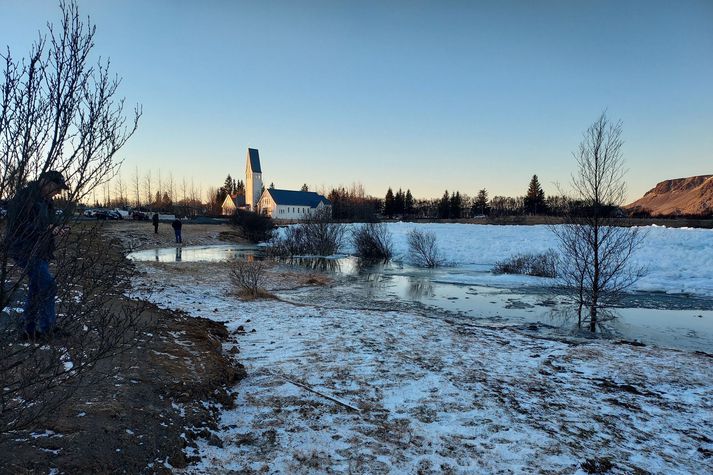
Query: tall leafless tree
{"x": 147, "y": 188}
{"x": 596, "y": 243}
{"x": 60, "y": 112}
{"x": 136, "y": 187}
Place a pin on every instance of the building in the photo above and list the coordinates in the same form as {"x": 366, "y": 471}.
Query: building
{"x": 231, "y": 203}
{"x": 291, "y": 205}
{"x": 278, "y": 204}
{"x": 253, "y": 179}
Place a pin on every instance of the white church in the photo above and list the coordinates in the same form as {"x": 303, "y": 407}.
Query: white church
{"x": 278, "y": 204}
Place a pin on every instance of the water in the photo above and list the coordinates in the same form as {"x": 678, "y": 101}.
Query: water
{"x": 213, "y": 253}
{"x": 671, "y": 320}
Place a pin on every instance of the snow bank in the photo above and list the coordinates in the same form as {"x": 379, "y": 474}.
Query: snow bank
{"x": 677, "y": 260}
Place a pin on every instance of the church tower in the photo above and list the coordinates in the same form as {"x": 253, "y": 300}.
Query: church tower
{"x": 253, "y": 179}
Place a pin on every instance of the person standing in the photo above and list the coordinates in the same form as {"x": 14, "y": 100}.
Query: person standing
{"x": 30, "y": 243}
{"x": 177, "y": 225}
{"x": 155, "y": 223}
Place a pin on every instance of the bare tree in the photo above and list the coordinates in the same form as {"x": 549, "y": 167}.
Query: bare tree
{"x": 59, "y": 112}
{"x": 120, "y": 191}
{"x": 136, "y": 187}
{"x": 147, "y": 188}
{"x": 595, "y": 243}
{"x": 171, "y": 191}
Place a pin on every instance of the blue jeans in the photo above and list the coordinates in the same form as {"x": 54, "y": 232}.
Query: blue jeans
{"x": 178, "y": 235}
{"x": 39, "y": 305}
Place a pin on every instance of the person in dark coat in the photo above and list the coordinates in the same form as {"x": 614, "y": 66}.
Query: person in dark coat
{"x": 155, "y": 223}
{"x": 29, "y": 237}
{"x": 177, "y": 225}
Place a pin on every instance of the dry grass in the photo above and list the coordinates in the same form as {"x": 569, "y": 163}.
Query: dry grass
{"x": 259, "y": 294}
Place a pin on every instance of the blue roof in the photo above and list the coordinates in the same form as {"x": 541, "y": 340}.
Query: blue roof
{"x": 297, "y": 198}
{"x": 254, "y": 158}
{"x": 238, "y": 199}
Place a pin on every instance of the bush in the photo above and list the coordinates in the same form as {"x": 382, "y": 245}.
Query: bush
{"x": 424, "y": 248}
{"x": 291, "y": 243}
{"x": 373, "y": 241}
{"x": 318, "y": 236}
{"x": 249, "y": 277}
{"x": 539, "y": 265}
{"x": 254, "y": 227}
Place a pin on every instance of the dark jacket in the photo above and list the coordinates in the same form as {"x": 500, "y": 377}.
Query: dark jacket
{"x": 155, "y": 219}
{"x": 176, "y": 224}
{"x": 30, "y": 218}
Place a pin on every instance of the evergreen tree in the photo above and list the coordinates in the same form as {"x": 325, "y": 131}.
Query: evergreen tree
{"x": 408, "y": 203}
{"x": 234, "y": 187}
{"x": 480, "y": 205}
{"x": 228, "y": 185}
{"x": 444, "y": 206}
{"x": 389, "y": 203}
{"x": 455, "y": 205}
{"x": 304, "y": 187}
{"x": 272, "y": 186}
{"x": 166, "y": 200}
{"x": 399, "y": 200}
{"x": 535, "y": 197}
{"x": 240, "y": 188}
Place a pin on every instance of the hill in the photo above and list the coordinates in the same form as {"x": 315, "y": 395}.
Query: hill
{"x": 692, "y": 196}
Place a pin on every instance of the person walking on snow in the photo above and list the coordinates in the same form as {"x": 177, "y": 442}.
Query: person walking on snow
{"x": 155, "y": 223}
{"x": 177, "y": 225}
{"x": 30, "y": 243}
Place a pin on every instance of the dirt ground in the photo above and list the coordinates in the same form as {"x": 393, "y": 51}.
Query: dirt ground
{"x": 141, "y": 417}
{"x": 139, "y": 235}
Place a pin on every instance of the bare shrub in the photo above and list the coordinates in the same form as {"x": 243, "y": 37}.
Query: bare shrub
{"x": 373, "y": 241}
{"x": 323, "y": 236}
{"x": 424, "y": 248}
{"x": 538, "y": 265}
{"x": 291, "y": 243}
{"x": 317, "y": 236}
{"x": 96, "y": 323}
{"x": 253, "y": 226}
{"x": 249, "y": 276}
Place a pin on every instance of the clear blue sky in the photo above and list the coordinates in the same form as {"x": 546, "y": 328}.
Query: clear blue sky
{"x": 424, "y": 95}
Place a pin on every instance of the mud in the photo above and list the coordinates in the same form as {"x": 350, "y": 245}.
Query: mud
{"x": 154, "y": 400}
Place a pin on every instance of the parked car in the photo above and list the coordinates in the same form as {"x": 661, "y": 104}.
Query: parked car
{"x": 140, "y": 215}
{"x": 123, "y": 213}
{"x": 107, "y": 214}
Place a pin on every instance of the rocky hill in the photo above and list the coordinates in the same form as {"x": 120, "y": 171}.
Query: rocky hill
{"x": 691, "y": 196}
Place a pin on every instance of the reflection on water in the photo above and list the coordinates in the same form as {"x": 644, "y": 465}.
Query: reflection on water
{"x": 195, "y": 253}
{"x": 677, "y": 320}
{"x": 320, "y": 264}
{"x": 420, "y": 288}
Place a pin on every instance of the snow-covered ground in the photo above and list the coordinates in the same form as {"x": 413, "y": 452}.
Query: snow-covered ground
{"x": 677, "y": 260}
{"x": 340, "y": 390}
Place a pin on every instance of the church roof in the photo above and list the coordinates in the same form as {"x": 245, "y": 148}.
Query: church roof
{"x": 238, "y": 200}
{"x": 297, "y": 198}
{"x": 254, "y": 158}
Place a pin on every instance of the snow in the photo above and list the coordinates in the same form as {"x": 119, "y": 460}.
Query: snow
{"x": 439, "y": 395}
{"x": 678, "y": 260}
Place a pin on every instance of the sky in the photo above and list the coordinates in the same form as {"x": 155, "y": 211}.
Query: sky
{"x": 421, "y": 95}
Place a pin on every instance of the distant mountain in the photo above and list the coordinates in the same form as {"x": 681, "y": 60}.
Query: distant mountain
{"x": 691, "y": 196}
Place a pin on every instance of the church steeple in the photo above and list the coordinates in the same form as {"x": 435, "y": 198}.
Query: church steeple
{"x": 253, "y": 179}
